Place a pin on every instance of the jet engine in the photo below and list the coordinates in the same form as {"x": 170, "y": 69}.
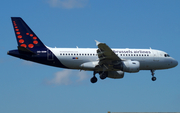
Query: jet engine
{"x": 128, "y": 66}
{"x": 89, "y": 65}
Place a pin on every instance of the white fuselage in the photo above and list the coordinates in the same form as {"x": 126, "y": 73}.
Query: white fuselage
{"x": 149, "y": 58}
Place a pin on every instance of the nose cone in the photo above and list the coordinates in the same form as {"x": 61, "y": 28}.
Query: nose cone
{"x": 175, "y": 62}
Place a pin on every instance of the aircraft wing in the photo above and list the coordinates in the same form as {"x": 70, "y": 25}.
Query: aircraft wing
{"x": 106, "y": 56}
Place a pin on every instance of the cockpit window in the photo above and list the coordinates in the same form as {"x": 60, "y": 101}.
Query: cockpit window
{"x": 166, "y": 55}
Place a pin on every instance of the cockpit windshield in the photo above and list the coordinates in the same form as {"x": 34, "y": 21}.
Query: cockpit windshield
{"x": 166, "y": 55}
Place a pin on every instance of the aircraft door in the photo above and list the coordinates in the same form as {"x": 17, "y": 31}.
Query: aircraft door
{"x": 50, "y": 55}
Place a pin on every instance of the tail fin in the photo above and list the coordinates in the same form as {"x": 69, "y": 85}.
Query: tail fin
{"x": 25, "y": 36}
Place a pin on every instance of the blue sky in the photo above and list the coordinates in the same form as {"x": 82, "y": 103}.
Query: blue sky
{"x": 27, "y": 87}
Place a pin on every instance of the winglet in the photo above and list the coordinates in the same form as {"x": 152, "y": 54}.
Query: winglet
{"x": 97, "y": 43}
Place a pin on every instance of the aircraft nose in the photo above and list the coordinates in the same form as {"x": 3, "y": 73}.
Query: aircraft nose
{"x": 172, "y": 63}
{"x": 175, "y": 62}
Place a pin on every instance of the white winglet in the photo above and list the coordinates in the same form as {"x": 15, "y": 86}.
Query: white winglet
{"x": 97, "y": 42}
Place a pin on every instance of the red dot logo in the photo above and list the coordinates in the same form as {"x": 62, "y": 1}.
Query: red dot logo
{"x": 30, "y": 45}
{"x": 21, "y": 41}
{"x": 19, "y": 36}
{"x": 23, "y": 45}
{"x": 27, "y": 33}
{"x": 17, "y": 29}
{"x": 34, "y": 37}
{"x": 18, "y": 33}
{"x": 35, "y": 42}
{"x": 31, "y": 35}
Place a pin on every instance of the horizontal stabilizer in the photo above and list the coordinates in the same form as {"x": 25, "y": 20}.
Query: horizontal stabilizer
{"x": 24, "y": 50}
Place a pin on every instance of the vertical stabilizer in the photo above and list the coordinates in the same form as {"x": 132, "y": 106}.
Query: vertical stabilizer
{"x": 25, "y": 36}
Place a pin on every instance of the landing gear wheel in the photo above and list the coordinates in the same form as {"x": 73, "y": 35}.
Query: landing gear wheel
{"x": 93, "y": 79}
{"x": 103, "y": 75}
{"x": 153, "y": 78}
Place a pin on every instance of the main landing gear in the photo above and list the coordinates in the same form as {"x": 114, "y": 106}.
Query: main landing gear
{"x": 94, "y": 79}
{"x": 102, "y": 74}
{"x": 153, "y": 77}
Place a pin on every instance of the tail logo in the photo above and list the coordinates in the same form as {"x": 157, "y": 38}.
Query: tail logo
{"x": 19, "y": 36}
{"x": 30, "y": 45}
{"x": 21, "y": 41}
{"x": 23, "y": 45}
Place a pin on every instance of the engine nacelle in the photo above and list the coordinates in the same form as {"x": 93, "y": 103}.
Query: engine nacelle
{"x": 89, "y": 65}
{"x": 115, "y": 74}
{"x": 128, "y": 66}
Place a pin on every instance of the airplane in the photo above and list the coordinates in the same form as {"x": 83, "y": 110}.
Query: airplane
{"x": 105, "y": 61}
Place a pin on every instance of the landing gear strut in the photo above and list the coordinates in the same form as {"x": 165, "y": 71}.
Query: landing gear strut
{"x": 94, "y": 79}
{"x": 103, "y": 75}
{"x": 153, "y": 77}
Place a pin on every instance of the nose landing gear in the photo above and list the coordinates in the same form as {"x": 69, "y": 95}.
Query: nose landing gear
{"x": 153, "y": 77}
